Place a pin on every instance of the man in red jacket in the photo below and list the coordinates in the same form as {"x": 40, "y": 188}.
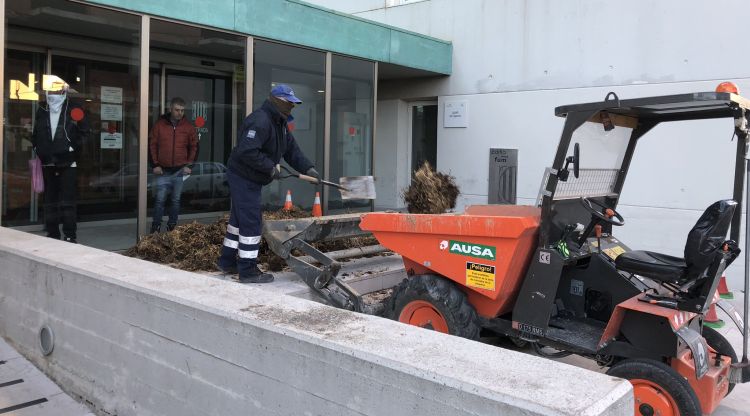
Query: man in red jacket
{"x": 173, "y": 145}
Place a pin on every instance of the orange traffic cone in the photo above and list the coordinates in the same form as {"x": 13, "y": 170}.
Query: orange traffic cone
{"x": 724, "y": 289}
{"x": 711, "y": 319}
{"x": 288, "y": 201}
{"x": 317, "y": 210}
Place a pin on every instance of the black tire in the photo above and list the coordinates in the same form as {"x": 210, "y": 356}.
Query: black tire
{"x": 668, "y": 381}
{"x": 451, "y": 303}
{"x": 719, "y": 343}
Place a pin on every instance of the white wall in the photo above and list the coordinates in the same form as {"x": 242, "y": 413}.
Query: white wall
{"x": 515, "y": 45}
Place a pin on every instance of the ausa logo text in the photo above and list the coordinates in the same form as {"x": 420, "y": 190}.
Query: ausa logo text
{"x": 470, "y": 249}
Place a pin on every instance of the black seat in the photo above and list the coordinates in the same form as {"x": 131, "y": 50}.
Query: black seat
{"x": 654, "y": 265}
{"x": 701, "y": 247}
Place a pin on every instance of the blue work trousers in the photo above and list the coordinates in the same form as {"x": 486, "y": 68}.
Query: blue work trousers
{"x": 242, "y": 240}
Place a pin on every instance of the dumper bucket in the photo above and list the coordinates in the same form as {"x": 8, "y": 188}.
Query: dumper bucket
{"x": 485, "y": 250}
{"x": 317, "y": 269}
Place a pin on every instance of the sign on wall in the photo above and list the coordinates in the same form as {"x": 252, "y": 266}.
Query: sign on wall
{"x": 456, "y": 114}
{"x": 503, "y": 176}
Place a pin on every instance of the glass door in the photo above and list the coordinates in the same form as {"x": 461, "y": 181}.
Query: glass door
{"x": 206, "y": 69}
{"x": 423, "y": 134}
{"x": 209, "y": 108}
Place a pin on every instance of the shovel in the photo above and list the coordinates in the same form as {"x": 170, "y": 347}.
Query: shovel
{"x": 351, "y": 187}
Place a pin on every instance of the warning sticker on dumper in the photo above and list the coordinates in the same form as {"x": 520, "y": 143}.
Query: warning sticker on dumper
{"x": 481, "y": 276}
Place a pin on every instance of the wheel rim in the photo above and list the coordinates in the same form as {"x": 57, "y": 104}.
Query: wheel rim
{"x": 651, "y": 399}
{"x": 422, "y": 314}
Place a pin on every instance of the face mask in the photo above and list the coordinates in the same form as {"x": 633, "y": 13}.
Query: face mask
{"x": 55, "y": 101}
{"x": 284, "y": 107}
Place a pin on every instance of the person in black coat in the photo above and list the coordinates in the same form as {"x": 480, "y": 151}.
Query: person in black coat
{"x": 60, "y": 127}
{"x": 263, "y": 141}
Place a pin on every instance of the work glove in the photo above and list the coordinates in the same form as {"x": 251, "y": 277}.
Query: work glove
{"x": 314, "y": 173}
{"x": 276, "y": 172}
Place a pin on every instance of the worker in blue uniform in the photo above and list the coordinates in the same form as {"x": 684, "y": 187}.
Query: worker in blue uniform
{"x": 263, "y": 141}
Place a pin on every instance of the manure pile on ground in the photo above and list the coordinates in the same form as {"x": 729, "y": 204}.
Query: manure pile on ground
{"x": 191, "y": 247}
{"x": 430, "y": 192}
{"x": 196, "y": 246}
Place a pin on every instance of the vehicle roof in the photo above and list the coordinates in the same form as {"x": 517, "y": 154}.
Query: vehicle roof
{"x": 693, "y": 106}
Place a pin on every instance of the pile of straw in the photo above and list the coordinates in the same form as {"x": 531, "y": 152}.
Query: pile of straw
{"x": 430, "y": 192}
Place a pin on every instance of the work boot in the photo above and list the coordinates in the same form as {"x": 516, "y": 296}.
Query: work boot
{"x": 155, "y": 228}
{"x": 255, "y": 276}
{"x": 70, "y": 240}
{"x": 227, "y": 269}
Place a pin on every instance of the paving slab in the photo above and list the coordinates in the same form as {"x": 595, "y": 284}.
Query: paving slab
{"x": 26, "y": 391}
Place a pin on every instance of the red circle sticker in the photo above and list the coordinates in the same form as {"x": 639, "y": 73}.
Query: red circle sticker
{"x": 200, "y": 121}
{"x": 76, "y": 114}
{"x": 111, "y": 128}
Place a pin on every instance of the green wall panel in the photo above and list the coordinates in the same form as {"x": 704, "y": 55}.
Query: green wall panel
{"x": 300, "y": 23}
{"x": 216, "y": 13}
{"x": 303, "y": 24}
{"x": 415, "y": 51}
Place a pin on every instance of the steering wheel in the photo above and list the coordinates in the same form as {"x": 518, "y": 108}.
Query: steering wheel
{"x": 604, "y": 212}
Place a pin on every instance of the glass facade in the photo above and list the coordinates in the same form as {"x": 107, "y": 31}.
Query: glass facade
{"x": 304, "y": 70}
{"x": 206, "y": 69}
{"x": 97, "y": 52}
{"x": 352, "y": 108}
{"x": 54, "y": 41}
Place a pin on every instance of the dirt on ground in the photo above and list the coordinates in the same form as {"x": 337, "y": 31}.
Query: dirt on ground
{"x": 430, "y": 192}
{"x": 197, "y": 246}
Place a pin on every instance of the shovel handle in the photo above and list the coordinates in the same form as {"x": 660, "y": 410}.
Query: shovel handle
{"x": 310, "y": 179}
{"x": 316, "y": 181}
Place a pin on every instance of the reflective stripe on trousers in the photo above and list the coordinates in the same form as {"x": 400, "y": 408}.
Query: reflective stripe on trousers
{"x": 242, "y": 240}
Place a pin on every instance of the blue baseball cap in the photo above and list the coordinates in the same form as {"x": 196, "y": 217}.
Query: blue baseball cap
{"x": 285, "y": 92}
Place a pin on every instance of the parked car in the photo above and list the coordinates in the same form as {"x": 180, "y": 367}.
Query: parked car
{"x": 206, "y": 186}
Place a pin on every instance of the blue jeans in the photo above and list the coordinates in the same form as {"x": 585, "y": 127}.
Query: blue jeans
{"x": 167, "y": 183}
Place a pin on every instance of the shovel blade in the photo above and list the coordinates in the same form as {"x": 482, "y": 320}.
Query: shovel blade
{"x": 357, "y": 187}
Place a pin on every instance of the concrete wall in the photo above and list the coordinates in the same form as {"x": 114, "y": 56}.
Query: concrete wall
{"x": 135, "y": 338}
{"x": 514, "y": 61}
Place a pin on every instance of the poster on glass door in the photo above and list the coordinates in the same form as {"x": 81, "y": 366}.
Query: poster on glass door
{"x": 110, "y": 137}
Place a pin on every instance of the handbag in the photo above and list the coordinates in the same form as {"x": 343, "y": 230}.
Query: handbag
{"x": 37, "y": 179}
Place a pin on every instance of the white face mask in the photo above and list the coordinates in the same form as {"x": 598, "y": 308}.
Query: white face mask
{"x": 55, "y": 101}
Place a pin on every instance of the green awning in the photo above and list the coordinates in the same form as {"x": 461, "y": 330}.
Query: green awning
{"x": 304, "y": 24}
